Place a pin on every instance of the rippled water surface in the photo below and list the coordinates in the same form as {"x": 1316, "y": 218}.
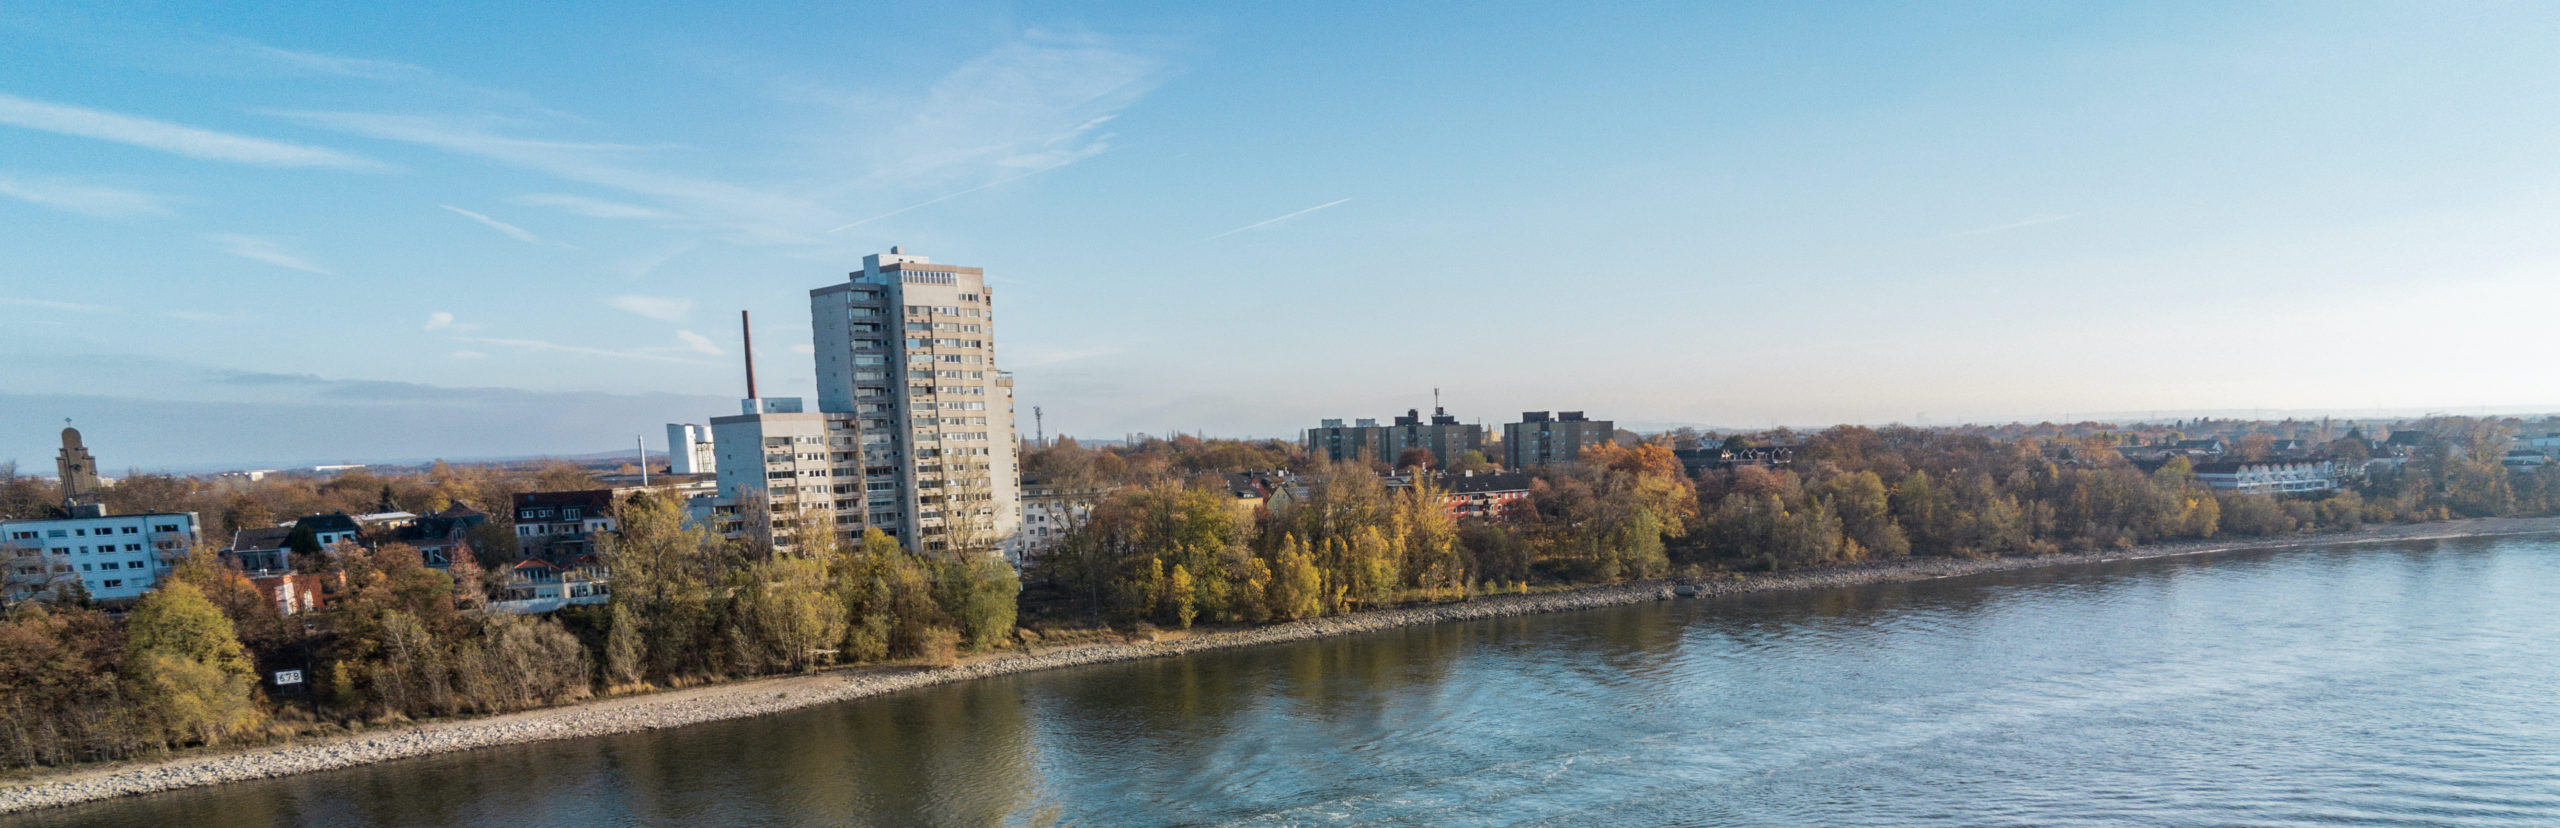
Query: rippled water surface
{"x": 2414, "y": 683}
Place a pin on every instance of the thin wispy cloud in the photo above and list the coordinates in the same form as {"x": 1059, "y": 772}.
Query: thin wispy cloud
{"x": 87, "y": 200}
{"x": 934, "y": 201}
{"x": 756, "y": 216}
{"x": 1273, "y": 220}
{"x": 542, "y": 345}
{"x": 1037, "y": 103}
{"x": 269, "y": 251}
{"x": 2015, "y": 225}
{"x": 512, "y": 231}
{"x": 666, "y": 308}
{"x": 699, "y": 343}
{"x": 49, "y": 304}
{"x": 173, "y": 138}
{"x": 641, "y": 265}
{"x": 469, "y": 354}
{"x": 207, "y": 317}
{"x": 326, "y": 64}
{"x": 444, "y": 321}
{"x": 414, "y": 82}
{"x": 593, "y": 207}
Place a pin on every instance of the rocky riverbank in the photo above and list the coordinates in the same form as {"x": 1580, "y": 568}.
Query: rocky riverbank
{"x": 678, "y": 708}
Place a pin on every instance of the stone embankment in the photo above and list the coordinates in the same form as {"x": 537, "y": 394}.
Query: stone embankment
{"x": 678, "y": 708}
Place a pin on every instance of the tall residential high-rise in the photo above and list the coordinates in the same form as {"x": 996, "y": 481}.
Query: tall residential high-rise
{"x": 906, "y": 357}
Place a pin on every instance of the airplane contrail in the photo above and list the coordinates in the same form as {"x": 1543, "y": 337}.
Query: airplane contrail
{"x": 1269, "y": 221}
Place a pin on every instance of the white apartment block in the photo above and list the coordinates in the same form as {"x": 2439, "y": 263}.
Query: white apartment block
{"x": 2268, "y": 476}
{"x": 906, "y": 355}
{"x": 689, "y": 449}
{"x": 796, "y": 459}
{"x": 115, "y": 557}
{"x": 1047, "y": 517}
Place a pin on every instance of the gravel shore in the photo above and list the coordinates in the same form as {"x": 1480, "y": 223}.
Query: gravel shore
{"x": 678, "y": 708}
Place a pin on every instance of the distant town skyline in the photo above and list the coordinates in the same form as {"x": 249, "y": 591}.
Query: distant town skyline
{"x": 489, "y": 230}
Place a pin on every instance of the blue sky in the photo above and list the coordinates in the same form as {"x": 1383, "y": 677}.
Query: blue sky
{"x": 241, "y": 236}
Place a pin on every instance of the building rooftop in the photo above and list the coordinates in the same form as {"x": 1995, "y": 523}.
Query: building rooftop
{"x": 1482, "y": 483}
{"x": 332, "y": 522}
{"x": 2235, "y": 466}
{"x": 273, "y": 537}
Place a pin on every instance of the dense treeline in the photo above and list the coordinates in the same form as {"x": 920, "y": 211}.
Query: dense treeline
{"x": 398, "y": 640}
{"x": 1858, "y": 493}
{"x": 1164, "y": 544}
{"x": 688, "y": 605}
{"x": 1177, "y": 549}
{"x": 394, "y": 642}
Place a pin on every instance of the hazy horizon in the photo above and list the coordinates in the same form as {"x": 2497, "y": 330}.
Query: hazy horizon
{"x": 495, "y": 230}
{"x": 201, "y": 460}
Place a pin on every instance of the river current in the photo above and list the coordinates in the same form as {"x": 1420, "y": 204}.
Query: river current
{"x": 2385, "y": 684}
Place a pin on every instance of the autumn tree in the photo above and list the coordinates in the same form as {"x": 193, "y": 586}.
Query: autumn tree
{"x": 186, "y": 666}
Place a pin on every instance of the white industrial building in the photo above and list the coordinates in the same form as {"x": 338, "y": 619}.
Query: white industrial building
{"x": 689, "y": 449}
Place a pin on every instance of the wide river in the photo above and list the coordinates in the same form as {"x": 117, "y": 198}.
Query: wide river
{"x": 2397, "y": 684}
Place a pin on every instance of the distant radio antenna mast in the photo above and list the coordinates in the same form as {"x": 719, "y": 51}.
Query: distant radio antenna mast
{"x": 747, "y": 335}
{"x": 1039, "y": 429}
{"x": 642, "y": 443}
